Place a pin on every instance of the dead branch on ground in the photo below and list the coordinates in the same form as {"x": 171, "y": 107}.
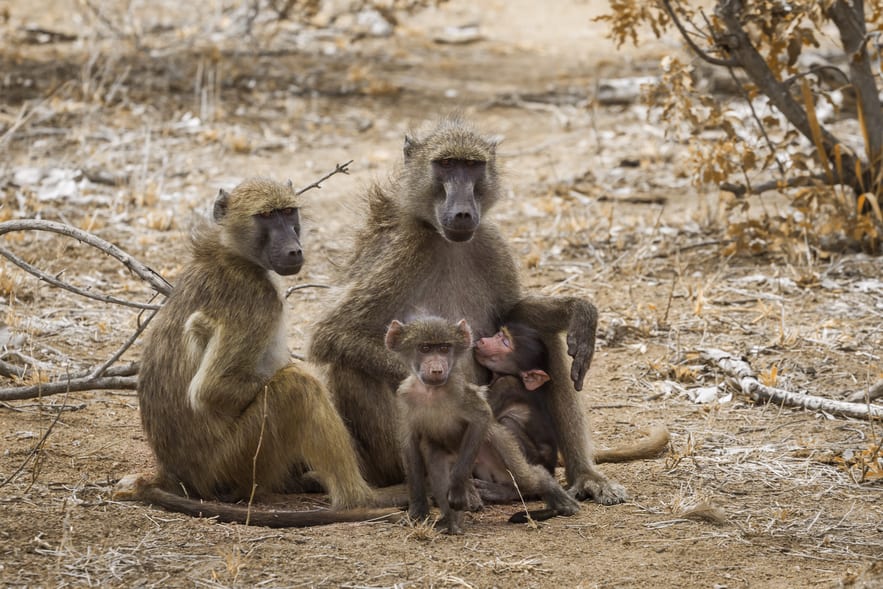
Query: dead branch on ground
{"x": 741, "y": 375}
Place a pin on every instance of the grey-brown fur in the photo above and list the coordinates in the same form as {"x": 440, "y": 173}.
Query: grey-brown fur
{"x": 216, "y": 385}
{"x": 403, "y": 263}
{"x": 447, "y": 426}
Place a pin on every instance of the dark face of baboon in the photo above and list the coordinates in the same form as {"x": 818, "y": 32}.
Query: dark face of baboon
{"x": 453, "y": 174}
{"x": 264, "y": 221}
{"x": 430, "y": 347}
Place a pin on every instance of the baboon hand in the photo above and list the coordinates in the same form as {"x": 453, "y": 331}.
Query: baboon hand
{"x": 580, "y": 347}
{"x": 581, "y": 338}
{"x": 599, "y": 489}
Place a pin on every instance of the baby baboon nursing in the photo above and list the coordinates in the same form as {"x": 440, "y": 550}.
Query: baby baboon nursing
{"x": 427, "y": 246}
{"x": 518, "y": 395}
{"x": 447, "y": 424}
{"x": 227, "y": 415}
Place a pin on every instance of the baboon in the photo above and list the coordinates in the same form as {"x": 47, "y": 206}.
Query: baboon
{"x": 518, "y": 396}
{"x": 227, "y": 415}
{"x": 447, "y": 424}
{"x": 426, "y": 247}
{"x": 519, "y": 361}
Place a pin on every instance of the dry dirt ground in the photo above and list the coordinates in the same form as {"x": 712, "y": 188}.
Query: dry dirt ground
{"x": 134, "y": 121}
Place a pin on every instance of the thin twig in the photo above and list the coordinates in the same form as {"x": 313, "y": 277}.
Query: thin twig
{"x": 696, "y": 49}
{"x": 338, "y": 169}
{"x": 100, "y": 370}
{"x": 742, "y": 376}
{"x": 291, "y": 289}
{"x": 35, "y": 449}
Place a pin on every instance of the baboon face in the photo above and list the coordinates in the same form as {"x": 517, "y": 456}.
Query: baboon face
{"x": 517, "y": 350}
{"x": 459, "y": 211}
{"x": 496, "y": 353}
{"x": 452, "y": 178}
{"x": 260, "y": 221}
{"x": 279, "y": 230}
{"x": 430, "y": 347}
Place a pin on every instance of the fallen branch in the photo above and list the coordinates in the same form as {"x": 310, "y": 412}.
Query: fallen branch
{"x": 742, "y": 376}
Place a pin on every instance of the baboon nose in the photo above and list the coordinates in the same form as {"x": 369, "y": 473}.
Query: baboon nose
{"x": 463, "y": 216}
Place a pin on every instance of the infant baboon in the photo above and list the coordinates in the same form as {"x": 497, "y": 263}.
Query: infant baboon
{"x": 518, "y": 396}
{"x": 427, "y": 245}
{"x": 227, "y": 415}
{"x": 519, "y": 361}
{"x": 447, "y": 424}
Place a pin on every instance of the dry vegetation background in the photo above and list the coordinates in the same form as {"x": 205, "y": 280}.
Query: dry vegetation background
{"x": 124, "y": 119}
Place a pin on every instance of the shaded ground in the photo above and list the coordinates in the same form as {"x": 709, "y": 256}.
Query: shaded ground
{"x": 598, "y": 206}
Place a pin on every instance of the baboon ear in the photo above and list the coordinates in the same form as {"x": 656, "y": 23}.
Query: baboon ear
{"x": 534, "y": 379}
{"x": 465, "y": 333}
{"x": 493, "y": 142}
{"x": 221, "y": 202}
{"x": 394, "y": 334}
{"x": 290, "y": 185}
{"x": 410, "y": 146}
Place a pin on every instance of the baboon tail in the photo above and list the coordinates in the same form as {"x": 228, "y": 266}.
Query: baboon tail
{"x": 651, "y": 446}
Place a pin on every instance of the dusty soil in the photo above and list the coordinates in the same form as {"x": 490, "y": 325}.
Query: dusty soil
{"x": 134, "y": 124}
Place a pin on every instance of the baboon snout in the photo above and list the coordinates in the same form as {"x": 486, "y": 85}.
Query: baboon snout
{"x": 435, "y": 373}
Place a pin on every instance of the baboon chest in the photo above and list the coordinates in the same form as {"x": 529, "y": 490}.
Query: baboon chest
{"x": 455, "y": 286}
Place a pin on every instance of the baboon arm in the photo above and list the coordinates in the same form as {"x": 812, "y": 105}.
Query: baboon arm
{"x": 416, "y": 473}
{"x": 555, "y": 314}
{"x": 343, "y": 339}
{"x": 225, "y": 380}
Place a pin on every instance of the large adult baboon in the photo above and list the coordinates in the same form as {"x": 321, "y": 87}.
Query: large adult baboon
{"x": 228, "y": 416}
{"x": 426, "y": 248}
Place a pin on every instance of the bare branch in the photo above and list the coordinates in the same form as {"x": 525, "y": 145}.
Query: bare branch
{"x": 741, "y": 190}
{"x": 338, "y": 169}
{"x": 72, "y": 385}
{"x": 689, "y": 40}
{"x": 157, "y": 282}
{"x": 54, "y": 281}
{"x": 100, "y": 370}
{"x": 850, "y": 22}
{"x": 291, "y": 289}
{"x": 742, "y": 376}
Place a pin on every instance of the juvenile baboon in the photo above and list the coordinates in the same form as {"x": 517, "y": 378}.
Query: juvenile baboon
{"x": 446, "y": 424}
{"x": 425, "y": 246}
{"x": 225, "y": 412}
{"x": 519, "y": 397}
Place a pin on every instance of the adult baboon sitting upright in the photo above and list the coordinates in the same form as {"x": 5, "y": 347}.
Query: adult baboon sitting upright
{"x": 425, "y": 248}
{"x": 227, "y": 414}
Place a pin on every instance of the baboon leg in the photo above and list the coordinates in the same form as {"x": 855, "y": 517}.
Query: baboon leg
{"x": 368, "y": 407}
{"x": 574, "y": 435}
{"x": 532, "y": 479}
{"x": 439, "y": 466}
{"x": 311, "y": 431}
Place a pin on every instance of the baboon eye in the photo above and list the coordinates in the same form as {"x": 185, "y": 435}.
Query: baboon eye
{"x": 446, "y": 163}
{"x": 471, "y": 163}
{"x": 444, "y": 348}
{"x": 266, "y": 214}
{"x": 288, "y": 211}
{"x": 425, "y": 348}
